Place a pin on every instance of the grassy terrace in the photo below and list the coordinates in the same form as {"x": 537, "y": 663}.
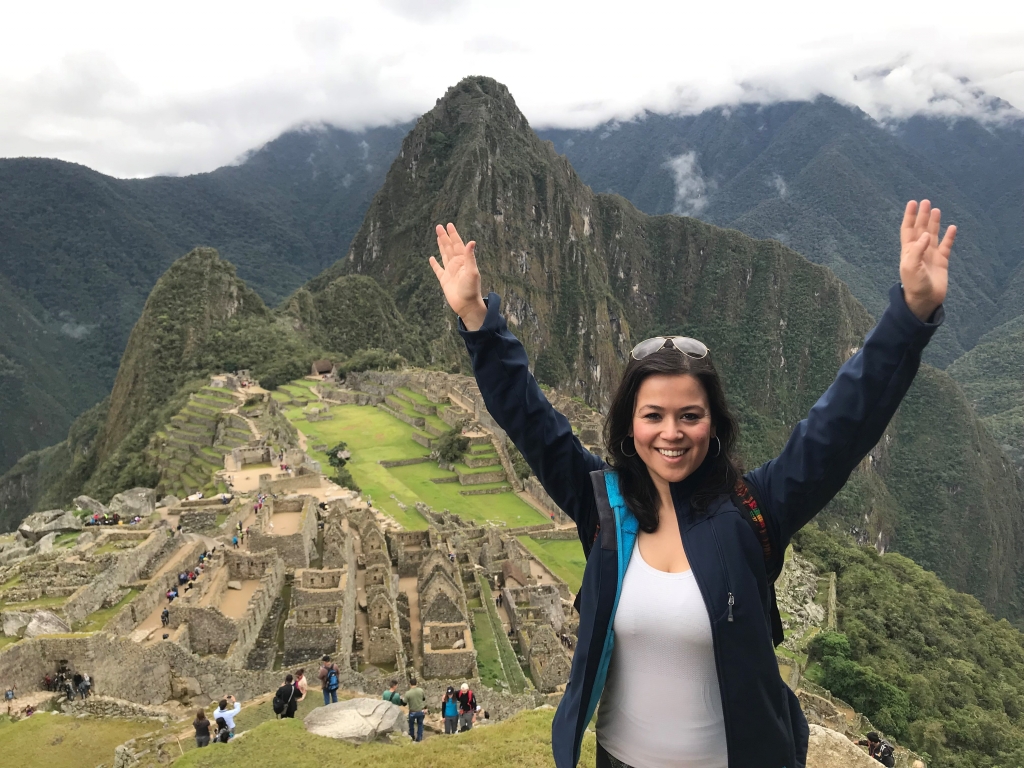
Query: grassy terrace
{"x": 66, "y": 741}
{"x": 372, "y": 436}
{"x": 98, "y": 619}
{"x": 522, "y": 741}
{"x": 487, "y": 659}
{"x": 564, "y": 558}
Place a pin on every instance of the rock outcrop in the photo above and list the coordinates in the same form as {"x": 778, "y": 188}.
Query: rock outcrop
{"x": 46, "y": 623}
{"x": 90, "y": 505}
{"x": 830, "y": 749}
{"x": 137, "y": 501}
{"x": 357, "y": 720}
{"x": 34, "y": 527}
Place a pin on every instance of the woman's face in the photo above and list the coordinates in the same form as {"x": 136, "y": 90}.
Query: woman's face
{"x": 672, "y": 426}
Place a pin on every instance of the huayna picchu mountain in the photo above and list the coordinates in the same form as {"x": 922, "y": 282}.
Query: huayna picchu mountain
{"x": 582, "y": 277}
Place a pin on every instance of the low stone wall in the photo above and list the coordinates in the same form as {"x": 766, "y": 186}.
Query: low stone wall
{"x": 557, "y": 534}
{"x": 294, "y": 548}
{"x": 486, "y": 491}
{"x": 423, "y": 440}
{"x": 289, "y": 484}
{"x": 482, "y": 478}
{"x": 123, "y": 669}
{"x": 412, "y": 421}
{"x": 405, "y": 462}
{"x": 104, "y": 706}
{"x": 125, "y": 570}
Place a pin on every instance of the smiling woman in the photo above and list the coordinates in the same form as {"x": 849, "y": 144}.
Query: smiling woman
{"x": 692, "y": 543}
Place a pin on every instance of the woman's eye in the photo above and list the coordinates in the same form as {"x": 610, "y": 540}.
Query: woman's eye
{"x": 652, "y": 416}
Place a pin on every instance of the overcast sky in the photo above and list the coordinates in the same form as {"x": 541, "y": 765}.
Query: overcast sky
{"x": 136, "y": 89}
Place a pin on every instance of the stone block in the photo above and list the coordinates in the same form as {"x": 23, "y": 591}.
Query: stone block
{"x": 46, "y": 623}
{"x": 234, "y": 585}
{"x": 357, "y": 721}
{"x": 36, "y": 526}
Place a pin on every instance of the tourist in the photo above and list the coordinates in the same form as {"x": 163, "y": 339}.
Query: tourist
{"x": 450, "y": 711}
{"x": 202, "y": 726}
{"x": 301, "y": 683}
{"x": 285, "y": 700}
{"x": 672, "y": 509}
{"x": 85, "y": 685}
{"x": 392, "y": 694}
{"x": 234, "y": 541}
{"x": 467, "y": 707}
{"x": 229, "y": 714}
{"x": 415, "y": 697}
{"x": 878, "y": 748}
{"x": 328, "y": 675}
{"x": 224, "y": 733}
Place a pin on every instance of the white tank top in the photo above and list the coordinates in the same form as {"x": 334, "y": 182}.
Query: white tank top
{"x": 662, "y": 707}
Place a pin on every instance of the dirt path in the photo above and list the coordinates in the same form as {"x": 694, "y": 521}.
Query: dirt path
{"x": 540, "y": 572}
{"x": 407, "y": 584}
{"x": 233, "y": 602}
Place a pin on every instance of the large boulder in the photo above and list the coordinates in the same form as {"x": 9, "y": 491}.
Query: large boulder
{"x": 46, "y": 623}
{"x": 13, "y": 621}
{"x": 90, "y": 505}
{"x": 357, "y": 720}
{"x": 830, "y": 749}
{"x": 137, "y": 501}
{"x": 35, "y": 526}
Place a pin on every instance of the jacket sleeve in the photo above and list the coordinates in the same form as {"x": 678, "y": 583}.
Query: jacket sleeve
{"x": 845, "y": 423}
{"x": 516, "y": 403}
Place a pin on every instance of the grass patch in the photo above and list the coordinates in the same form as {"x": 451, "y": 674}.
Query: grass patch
{"x": 522, "y": 741}
{"x": 39, "y": 602}
{"x": 564, "y": 558}
{"x": 96, "y": 620}
{"x": 45, "y": 739}
{"x": 372, "y": 436}
{"x": 416, "y": 397}
{"x": 221, "y": 518}
{"x": 487, "y": 660}
{"x": 5, "y": 641}
{"x": 513, "y": 672}
{"x": 67, "y": 539}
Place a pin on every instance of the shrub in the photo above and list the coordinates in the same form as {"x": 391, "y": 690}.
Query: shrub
{"x": 452, "y": 446}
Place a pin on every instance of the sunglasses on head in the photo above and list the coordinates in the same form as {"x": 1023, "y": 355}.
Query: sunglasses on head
{"x": 689, "y": 347}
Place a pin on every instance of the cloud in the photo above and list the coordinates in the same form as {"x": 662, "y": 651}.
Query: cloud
{"x": 691, "y": 190}
{"x": 144, "y": 92}
{"x": 780, "y": 186}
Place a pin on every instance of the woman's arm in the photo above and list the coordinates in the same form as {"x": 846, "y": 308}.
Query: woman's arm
{"x": 509, "y": 391}
{"x": 850, "y": 418}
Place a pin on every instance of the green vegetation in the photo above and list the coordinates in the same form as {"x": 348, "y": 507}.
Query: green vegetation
{"x": 488, "y": 661}
{"x": 923, "y": 662}
{"x": 337, "y": 457}
{"x": 522, "y": 741}
{"x": 513, "y": 673}
{"x": 45, "y": 739}
{"x": 372, "y": 436}
{"x": 563, "y": 556}
{"x": 452, "y": 446}
{"x": 97, "y": 620}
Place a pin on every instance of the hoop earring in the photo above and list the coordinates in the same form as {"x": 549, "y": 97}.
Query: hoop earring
{"x": 623, "y": 449}
{"x": 719, "y": 453}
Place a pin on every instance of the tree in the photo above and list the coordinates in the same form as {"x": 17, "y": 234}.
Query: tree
{"x": 452, "y": 446}
{"x": 338, "y": 457}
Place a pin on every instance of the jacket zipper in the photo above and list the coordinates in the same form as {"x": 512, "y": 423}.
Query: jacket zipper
{"x": 725, "y": 568}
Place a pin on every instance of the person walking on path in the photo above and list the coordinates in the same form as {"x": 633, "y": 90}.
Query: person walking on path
{"x": 286, "y": 698}
{"x": 301, "y": 684}
{"x": 670, "y": 514}
{"x": 202, "y": 726}
{"x": 416, "y": 699}
{"x": 165, "y": 616}
{"x": 392, "y": 694}
{"x": 450, "y": 711}
{"x": 467, "y": 707}
{"x": 228, "y": 713}
{"x": 328, "y": 675}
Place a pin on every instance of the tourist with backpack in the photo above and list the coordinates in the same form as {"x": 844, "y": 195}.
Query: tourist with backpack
{"x": 450, "y": 711}
{"x": 416, "y": 698}
{"x": 392, "y": 694}
{"x": 467, "y": 707}
{"x": 224, "y": 733}
{"x": 682, "y": 545}
{"x": 329, "y": 680}
{"x": 286, "y": 699}
{"x": 878, "y": 748}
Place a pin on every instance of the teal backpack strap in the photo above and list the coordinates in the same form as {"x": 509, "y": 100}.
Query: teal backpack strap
{"x": 626, "y": 523}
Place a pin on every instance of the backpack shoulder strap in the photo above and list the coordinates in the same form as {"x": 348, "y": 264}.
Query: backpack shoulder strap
{"x": 747, "y": 504}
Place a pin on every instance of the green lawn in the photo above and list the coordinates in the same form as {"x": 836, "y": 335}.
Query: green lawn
{"x": 513, "y": 672}
{"x": 522, "y": 741}
{"x": 486, "y": 651}
{"x": 96, "y": 620}
{"x": 372, "y": 435}
{"x": 563, "y": 557}
{"x": 57, "y": 740}
{"x": 39, "y": 602}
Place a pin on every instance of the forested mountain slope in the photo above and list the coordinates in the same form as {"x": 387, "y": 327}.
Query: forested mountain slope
{"x": 583, "y": 276}
{"x": 80, "y": 252}
{"x": 831, "y": 183}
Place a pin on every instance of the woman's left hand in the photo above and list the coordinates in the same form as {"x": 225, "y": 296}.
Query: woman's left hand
{"x": 924, "y": 261}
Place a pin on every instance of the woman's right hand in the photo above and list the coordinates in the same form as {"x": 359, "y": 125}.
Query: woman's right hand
{"x": 459, "y": 277}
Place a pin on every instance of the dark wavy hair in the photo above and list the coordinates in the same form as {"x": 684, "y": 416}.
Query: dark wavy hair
{"x": 718, "y": 474}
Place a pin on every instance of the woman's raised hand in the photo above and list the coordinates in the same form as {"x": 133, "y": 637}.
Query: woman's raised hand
{"x": 459, "y": 277}
{"x": 924, "y": 261}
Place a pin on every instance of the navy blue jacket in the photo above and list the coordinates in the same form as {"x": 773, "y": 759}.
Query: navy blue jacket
{"x": 764, "y": 725}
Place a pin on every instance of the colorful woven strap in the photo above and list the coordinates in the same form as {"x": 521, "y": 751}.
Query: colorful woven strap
{"x": 749, "y": 503}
